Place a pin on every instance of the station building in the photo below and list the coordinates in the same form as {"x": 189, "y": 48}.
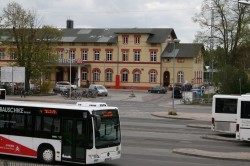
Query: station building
{"x": 138, "y": 58}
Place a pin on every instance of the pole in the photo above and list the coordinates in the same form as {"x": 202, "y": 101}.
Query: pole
{"x": 173, "y": 111}
{"x": 70, "y": 76}
{"x": 173, "y": 77}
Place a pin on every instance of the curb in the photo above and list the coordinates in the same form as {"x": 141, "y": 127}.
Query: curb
{"x": 199, "y": 126}
{"x": 181, "y": 115}
{"x": 170, "y": 116}
{"x": 242, "y": 156}
{"x": 219, "y": 138}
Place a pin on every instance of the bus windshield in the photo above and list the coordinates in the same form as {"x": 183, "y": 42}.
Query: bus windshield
{"x": 108, "y": 134}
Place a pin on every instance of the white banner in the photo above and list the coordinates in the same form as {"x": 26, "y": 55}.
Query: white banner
{"x": 6, "y": 74}
{"x": 18, "y": 74}
{"x": 12, "y": 74}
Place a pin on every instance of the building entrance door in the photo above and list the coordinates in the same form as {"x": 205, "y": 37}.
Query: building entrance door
{"x": 166, "y": 79}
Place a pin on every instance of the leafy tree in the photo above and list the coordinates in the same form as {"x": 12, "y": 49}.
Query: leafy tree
{"x": 34, "y": 42}
{"x": 227, "y": 21}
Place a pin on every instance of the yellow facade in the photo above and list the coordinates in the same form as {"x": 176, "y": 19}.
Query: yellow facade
{"x": 192, "y": 68}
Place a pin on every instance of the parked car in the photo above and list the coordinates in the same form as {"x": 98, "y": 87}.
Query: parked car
{"x": 177, "y": 92}
{"x": 63, "y": 86}
{"x": 102, "y": 91}
{"x": 158, "y": 89}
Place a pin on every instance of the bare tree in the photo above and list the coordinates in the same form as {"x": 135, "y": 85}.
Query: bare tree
{"x": 227, "y": 20}
{"x": 34, "y": 42}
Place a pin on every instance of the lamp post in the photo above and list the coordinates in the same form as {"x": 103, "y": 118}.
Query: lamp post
{"x": 174, "y": 41}
{"x": 66, "y": 51}
{"x": 104, "y": 61}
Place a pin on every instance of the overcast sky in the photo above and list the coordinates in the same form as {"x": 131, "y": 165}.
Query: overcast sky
{"x": 176, "y": 14}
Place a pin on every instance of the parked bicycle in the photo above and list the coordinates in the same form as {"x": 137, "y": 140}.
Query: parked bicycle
{"x": 92, "y": 93}
{"x": 186, "y": 101}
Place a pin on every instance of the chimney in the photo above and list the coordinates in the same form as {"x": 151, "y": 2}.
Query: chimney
{"x": 70, "y": 24}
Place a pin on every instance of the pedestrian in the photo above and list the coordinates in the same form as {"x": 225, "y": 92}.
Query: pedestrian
{"x": 22, "y": 92}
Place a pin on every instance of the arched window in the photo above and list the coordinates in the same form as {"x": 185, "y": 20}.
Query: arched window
{"x": 125, "y": 76}
{"x": 109, "y": 75}
{"x": 136, "y": 76}
{"x": 152, "y": 77}
{"x": 180, "y": 77}
{"x": 96, "y": 75}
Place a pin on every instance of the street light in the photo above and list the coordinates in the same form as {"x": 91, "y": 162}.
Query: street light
{"x": 66, "y": 51}
{"x": 175, "y": 51}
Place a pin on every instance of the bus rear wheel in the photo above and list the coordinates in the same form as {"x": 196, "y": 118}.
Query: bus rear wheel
{"x": 46, "y": 155}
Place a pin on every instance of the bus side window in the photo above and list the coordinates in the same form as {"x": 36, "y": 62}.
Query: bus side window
{"x": 51, "y": 124}
{"x": 38, "y": 123}
{"x": 4, "y": 123}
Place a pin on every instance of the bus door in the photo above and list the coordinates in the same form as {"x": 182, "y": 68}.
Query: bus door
{"x": 74, "y": 140}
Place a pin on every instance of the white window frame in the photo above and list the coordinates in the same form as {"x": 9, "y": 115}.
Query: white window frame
{"x": 2, "y": 55}
{"x": 153, "y": 56}
{"x": 152, "y": 78}
{"x": 124, "y": 56}
{"x": 109, "y": 55}
{"x": 109, "y": 76}
{"x": 84, "y": 55}
{"x": 180, "y": 77}
{"x": 97, "y": 55}
{"x": 124, "y": 76}
{"x": 72, "y": 54}
{"x": 137, "y": 56}
{"x": 96, "y": 75}
{"x": 137, "y": 76}
{"x": 84, "y": 75}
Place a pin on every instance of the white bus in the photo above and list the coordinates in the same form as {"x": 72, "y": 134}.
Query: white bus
{"x": 60, "y": 132}
{"x": 224, "y": 113}
{"x": 243, "y": 119}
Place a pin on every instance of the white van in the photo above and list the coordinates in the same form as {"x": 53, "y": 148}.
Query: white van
{"x": 102, "y": 91}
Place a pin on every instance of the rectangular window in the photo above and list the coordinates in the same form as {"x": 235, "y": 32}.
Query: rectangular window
{"x": 137, "y": 39}
{"x": 51, "y": 124}
{"x": 227, "y": 106}
{"x": 96, "y": 55}
{"x": 137, "y": 56}
{"x": 72, "y": 54}
{"x": 84, "y": 76}
{"x": 17, "y": 121}
{"x": 60, "y": 54}
{"x": 84, "y": 55}
{"x": 125, "y": 39}
{"x": 124, "y": 56}
{"x": 180, "y": 60}
{"x": 13, "y": 55}
{"x": 245, "y": 109}
{"x": 109, "y": 55}
{"x": 153, "y": 56}
{"x": 1, "y": 55}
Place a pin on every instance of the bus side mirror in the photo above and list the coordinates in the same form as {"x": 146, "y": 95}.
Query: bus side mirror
{"x": 97, "y": 120}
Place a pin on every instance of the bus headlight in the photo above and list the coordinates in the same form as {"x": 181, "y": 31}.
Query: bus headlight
{"x": 94, "y": 156}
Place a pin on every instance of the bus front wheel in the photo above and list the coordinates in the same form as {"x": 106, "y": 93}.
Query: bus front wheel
{"x": 46, "y": 155}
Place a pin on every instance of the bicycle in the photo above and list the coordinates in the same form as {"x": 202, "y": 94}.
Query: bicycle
{"x": 92, "y": 93}
{"x": 185, "y": 101}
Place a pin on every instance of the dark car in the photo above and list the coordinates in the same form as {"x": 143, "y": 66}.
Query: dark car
{"x": 177, "y": 92}
{"x": 158, "y": 89}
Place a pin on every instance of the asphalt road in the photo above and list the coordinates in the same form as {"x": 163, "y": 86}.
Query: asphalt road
{"x": 148, "y": 140}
